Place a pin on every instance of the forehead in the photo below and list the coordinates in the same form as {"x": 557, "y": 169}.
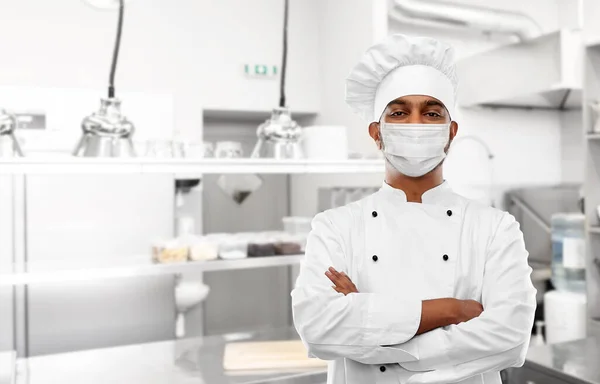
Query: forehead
{"x": 416, "y": 100}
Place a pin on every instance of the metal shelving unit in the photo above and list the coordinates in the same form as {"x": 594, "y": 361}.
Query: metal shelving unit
{"x": 69, "y": 165}
{"x": 591, "y": 93}
{"x": 67, "y": 271}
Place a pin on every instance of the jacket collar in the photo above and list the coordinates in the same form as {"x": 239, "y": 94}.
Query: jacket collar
{"x": 435, "y": 195}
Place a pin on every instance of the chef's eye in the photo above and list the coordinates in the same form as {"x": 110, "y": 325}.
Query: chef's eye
{"x": 433, "y": 114}
{"x": 398, "y": 113}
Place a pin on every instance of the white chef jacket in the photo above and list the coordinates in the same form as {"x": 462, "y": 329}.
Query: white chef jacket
{"x": 397, "y": 254}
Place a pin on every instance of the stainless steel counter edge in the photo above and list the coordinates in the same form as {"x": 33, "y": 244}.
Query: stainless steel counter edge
{"x": 575, "y": 362}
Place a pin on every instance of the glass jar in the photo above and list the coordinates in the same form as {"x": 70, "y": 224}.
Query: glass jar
{"x": 568, "y": 252}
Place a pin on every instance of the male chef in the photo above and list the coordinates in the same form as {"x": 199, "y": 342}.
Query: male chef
{"x": 413, "y": 284}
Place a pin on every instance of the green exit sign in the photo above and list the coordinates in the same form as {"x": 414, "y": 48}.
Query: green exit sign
{"x": 260, "y": 70}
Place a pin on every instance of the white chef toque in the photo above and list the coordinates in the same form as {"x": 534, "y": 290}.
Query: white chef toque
{"x": 401, "y": 66}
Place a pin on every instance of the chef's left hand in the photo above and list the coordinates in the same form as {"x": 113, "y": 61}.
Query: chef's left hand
{"x": 342, "y": 282}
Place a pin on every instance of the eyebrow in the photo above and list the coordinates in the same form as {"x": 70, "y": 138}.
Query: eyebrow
{"x": 434, "y": 103}
{"x": 428, "y": 103}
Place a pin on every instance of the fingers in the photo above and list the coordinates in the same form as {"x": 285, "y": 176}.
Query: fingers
{"x": 335, "y": 273}
{"x": 339, "y": 279}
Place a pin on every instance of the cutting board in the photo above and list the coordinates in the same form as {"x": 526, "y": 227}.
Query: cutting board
{"x": 269, "y": 355}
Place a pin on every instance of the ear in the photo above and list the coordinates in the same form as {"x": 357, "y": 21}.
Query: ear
{"x": 375, "y": 134}
{"x": 453, "y": 130}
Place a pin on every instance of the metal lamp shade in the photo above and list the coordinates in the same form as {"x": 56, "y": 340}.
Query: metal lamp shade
{"x": 9, "y": 146}
{"x": 106, "y": 133}
{"x": 279, "y": 137}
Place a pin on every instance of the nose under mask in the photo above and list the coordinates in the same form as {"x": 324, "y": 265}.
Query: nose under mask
{"x": 414, "y": 149}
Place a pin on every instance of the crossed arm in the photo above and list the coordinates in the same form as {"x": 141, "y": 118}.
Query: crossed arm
{"x": 435, "y": 313}
{"x": 439, "y": 337}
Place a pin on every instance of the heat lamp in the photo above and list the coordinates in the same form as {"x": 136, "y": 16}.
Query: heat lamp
{"x": 9, "y": 146}
{"x": 106, "y": 132}
{"x": 279, "y": 137}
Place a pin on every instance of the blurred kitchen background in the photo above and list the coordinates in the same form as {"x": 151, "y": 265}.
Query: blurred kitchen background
{"x": 165, "y": 259}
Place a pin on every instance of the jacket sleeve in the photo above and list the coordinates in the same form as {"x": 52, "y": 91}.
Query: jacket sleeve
{"x": 356, "y": 326}
{"x": 464, "y": 371}
{"x": 503, "y": 329}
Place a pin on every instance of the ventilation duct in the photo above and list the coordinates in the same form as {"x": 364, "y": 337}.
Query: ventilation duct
{"x": 466, "y": 16}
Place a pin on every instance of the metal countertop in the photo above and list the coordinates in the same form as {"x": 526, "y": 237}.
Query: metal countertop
{"x": 197, "y": 360}
{"x": 579, "y": 360}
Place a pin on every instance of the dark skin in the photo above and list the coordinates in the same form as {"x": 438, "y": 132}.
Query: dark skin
{"x": 417, "y": 109}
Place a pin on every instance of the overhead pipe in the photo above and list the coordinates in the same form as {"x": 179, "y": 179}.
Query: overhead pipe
{"x": 481, "y": 18}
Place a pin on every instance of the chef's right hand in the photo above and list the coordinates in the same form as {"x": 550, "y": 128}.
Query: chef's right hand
{"x": 467, "y": 310}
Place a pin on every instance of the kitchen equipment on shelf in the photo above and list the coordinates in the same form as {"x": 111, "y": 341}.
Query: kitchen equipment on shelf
{"x": 261, "y": 246}
{"x": 9, "y": 146}
{"x": 268, "y": 355}
{"x": 228, "y": 149}
{"x": 325, "y": 142}
{"x": 160, "y": 149}
{"x": 106, "y": 133}
{"x": 568, "y": 251}
{"x": 178, "y": 146}
{"x": 286, "y": 244}
{"x": 565, "y": 315}
{"x": 279, "y": 137}
{"x": 228, "y": 246}
{"x": 233, "y": 247}
{"x": 204, "y": 249}
{"x": 188, "y": 294}
{"x": 596, "y": 108}
{"x": 199, "y": 150}
{"x": 171, "y": 251}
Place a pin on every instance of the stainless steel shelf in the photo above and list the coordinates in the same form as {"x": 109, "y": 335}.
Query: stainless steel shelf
{"x": 594, "y": 229}
{"x": 63, "y": 271}
{"x": 593, "y": 136}
{"x": 70, "y": 165}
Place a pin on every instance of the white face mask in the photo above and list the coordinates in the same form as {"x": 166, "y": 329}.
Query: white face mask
{"x": 414, "y": 149}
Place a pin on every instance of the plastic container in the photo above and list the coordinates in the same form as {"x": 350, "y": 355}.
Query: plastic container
{"x": 204, "y": 249}
{"x": 568, "y": 252}
{"x": 233, "y": 247}
{"x": 172, "y": 251}
{"x": 261, "y": 248}
{"x": 261, "y": 244}
{"x": 289, "y": 245}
